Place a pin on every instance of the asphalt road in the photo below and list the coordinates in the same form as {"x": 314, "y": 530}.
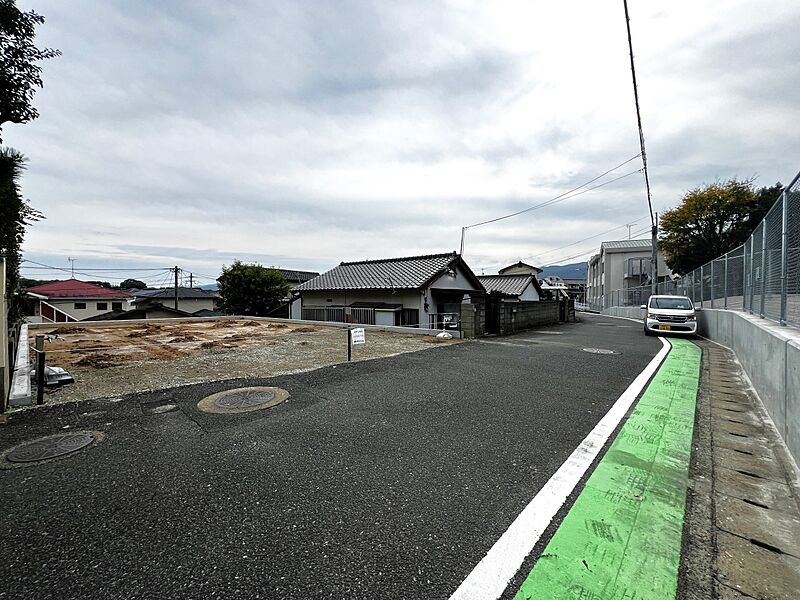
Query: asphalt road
{"x": 382, "y": 479}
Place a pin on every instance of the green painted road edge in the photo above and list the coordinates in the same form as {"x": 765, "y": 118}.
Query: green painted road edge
{"x": 622, "y": 538}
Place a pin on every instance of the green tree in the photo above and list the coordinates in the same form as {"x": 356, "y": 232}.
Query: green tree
{"x": 712, "y": 220}
{"x": 251, "y": 289}
{"x": 15, "y": 214}
{"x": 131, "y": 284}
{"x": 20, "y": 74}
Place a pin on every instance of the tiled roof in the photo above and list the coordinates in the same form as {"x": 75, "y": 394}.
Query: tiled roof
{"x": 519, "y": 264}
{"x": 73, "y": 288}
{"x": 299, "y": 276}
{"x": 183, "y": 292}
{"x": 509, "y": 285}
{"x": 411, "y": 272}
{"x": 627, "y": 244}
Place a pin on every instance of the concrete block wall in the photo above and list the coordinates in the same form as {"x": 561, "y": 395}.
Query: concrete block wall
{"x": 518, "y": 316}
{"x": 769, "y": 354}
{"x": 473, "y": 317}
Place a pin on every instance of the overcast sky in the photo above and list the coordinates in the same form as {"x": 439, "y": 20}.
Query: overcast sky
{"x": 302, "y": 134}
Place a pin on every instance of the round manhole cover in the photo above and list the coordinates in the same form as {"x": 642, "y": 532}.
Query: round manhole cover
{"x": 50, "y": 447}
{"x": 598, "y": 351}
{"x": 243, "y": 400}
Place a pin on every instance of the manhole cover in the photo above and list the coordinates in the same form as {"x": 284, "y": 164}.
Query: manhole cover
{"x": 50, "y": 447}
{"x": 598, "y": 351}
{"x": 243, "y": 400}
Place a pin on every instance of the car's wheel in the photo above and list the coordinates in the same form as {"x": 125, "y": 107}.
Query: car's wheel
{"x": 647, "y": 331}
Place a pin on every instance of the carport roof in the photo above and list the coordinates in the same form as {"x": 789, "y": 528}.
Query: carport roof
{"x": 410, "y": 272}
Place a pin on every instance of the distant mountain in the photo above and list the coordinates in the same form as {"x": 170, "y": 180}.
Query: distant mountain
{"x": 209, "y": 286}
{"x": 571, "y": 271}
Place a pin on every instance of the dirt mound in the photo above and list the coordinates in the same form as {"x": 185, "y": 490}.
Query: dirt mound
{"x": 276, "y": 326}
{"x": 250, "y": 324}
{"x": 184, "y": 337}
{"x": 304, "y": 330}
{"x": 98, "y": 361}
{"x": 236, "y": 337}
{"x": 61, "y": 330}
{"x": 223, "y": 324}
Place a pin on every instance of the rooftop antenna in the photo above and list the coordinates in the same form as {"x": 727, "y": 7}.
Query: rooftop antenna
{"x": 72, "y": 265}
{"x": 629, "y": 225}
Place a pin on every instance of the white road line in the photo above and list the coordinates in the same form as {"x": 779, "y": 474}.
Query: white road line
{"x": 490, "y": 577}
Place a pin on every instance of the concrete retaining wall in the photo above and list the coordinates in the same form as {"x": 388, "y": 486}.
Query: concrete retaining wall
{"x": 770, "y": 355}
{"x": 519, "y": 316}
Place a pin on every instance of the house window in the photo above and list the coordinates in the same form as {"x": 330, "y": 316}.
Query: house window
{"x": 102, "y": 306}
{"x": 79, "y": 305}
{"x": 116, "y": 306}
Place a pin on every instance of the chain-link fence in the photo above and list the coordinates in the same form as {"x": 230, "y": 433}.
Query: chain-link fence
{"x": 762, "y": 276}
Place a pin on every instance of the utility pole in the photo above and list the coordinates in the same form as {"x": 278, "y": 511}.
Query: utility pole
{"x": 653, "y": 218}
{"x": 191, "y": 280}
{"x": 463, "y": 233}
{"x": 629, "y": 225}
{"x": 176, "y": 287}
{"x": 72, "y": 266}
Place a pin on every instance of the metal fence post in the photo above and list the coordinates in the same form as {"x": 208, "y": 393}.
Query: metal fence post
{"x": 725, "y": 303}
{"x": 744, "y": 274}
{"x": 752, "y": 274}
{"x": 784, "y": 256}
{"x": 702, "y": 292}
{"x": 763, "y": 265}
{"x": 712, "y": 284}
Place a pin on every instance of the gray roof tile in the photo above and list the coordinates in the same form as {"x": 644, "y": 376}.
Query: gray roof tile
{"x": 411, "y": 272}
{"x": 510, "y": 285}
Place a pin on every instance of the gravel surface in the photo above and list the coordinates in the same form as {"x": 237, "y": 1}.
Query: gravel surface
{"x": 117, "y": 360}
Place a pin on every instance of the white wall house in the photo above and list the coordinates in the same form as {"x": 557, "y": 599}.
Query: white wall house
{"x": 416, "y": 291}
{"x": 620, "y": 265}
{"x": 74, "y": 300}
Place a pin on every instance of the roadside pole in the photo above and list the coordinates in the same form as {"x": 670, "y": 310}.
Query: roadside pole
{"x": 349, "y": 343}
{"x": 5, "y": 366}
{"x": 39, "y": 369}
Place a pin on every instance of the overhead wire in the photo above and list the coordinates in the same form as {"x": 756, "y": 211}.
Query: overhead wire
{"x": 565, "y": 196}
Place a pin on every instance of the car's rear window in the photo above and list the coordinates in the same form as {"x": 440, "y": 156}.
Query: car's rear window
{"x": 671, "y": 303}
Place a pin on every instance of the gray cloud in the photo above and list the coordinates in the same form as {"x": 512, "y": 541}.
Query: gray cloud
{"x": 302, "y": 134}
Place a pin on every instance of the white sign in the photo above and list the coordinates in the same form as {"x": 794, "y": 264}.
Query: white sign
{"x": 358, "y": 336}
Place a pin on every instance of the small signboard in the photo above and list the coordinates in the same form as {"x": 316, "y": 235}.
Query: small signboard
{"x": 358, "y": 336}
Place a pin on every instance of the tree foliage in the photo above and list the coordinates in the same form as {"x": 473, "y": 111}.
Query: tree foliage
{"x": 133, "y": 284}
{"x": 712, "y": 220}
{"x": 15, "y": 214}
{"x": 20, "y": 74}
{"x": 251, "y": 289}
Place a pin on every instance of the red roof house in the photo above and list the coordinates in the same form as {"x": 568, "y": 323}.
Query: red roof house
{"x": 74, "y": 300}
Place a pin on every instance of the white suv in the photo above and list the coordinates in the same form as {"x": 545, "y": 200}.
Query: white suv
{"x": 670, "y": 314}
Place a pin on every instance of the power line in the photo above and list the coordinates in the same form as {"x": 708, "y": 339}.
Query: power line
{"x": 561, "y": 197}
{"x": 579, "y": 241}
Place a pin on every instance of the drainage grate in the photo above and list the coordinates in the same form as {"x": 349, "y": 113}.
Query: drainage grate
{"x": 598, "y": 351}
{"x": 245, "y": 398}
{"x": 50, "y": 447}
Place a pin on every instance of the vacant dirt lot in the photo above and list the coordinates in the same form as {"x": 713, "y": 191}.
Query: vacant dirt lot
{"x": 119, "y": 359}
